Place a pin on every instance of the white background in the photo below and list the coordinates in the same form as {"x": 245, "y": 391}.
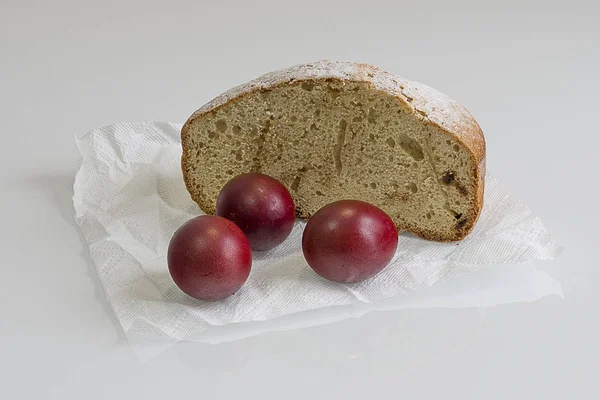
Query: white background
{"x": 527, "y": 70}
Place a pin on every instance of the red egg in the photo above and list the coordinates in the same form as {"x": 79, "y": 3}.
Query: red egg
{"x": 261, "y": 206}
{"x": 209, "y": 258}
{"x": 349, "y": 241}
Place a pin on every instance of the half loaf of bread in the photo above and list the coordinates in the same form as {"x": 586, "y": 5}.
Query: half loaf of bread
{"x": 336, "y": 130}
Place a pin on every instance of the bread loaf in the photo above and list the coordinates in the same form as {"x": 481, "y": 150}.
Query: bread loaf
{"x": 337, "y": 130}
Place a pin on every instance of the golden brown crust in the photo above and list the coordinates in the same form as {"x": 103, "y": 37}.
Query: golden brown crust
{"x": 428, "y": 105}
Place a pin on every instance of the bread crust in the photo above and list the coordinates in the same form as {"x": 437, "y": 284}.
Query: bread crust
{"x": 425, "y": 103}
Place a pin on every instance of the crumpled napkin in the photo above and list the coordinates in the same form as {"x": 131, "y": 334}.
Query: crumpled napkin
{"x": 129, "y": 199}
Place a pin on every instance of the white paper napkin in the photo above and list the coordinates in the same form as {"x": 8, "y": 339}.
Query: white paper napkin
{"x": 129, "y": 198}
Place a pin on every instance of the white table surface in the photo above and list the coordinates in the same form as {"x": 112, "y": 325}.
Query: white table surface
{"x": 527, "y": 70}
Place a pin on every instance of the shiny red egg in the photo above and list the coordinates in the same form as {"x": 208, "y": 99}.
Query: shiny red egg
{"x": 209, "y": 258}
{"x": 260, "y": 206}
{"x": 349, "y": 241}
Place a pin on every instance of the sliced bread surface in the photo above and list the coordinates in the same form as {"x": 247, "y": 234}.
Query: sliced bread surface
{"x": 335, "y": 130}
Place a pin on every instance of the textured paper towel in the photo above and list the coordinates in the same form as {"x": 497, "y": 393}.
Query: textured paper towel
{"x": 129, "y": 198}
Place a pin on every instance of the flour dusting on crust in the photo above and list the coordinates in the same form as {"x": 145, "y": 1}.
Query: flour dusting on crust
{"x": 427, "y": 103}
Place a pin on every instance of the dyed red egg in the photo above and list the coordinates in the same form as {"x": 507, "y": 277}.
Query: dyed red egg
{"x": 209, "y": 258}
{"x": 349, "y": 241}
{"x": 260, "y": 206}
